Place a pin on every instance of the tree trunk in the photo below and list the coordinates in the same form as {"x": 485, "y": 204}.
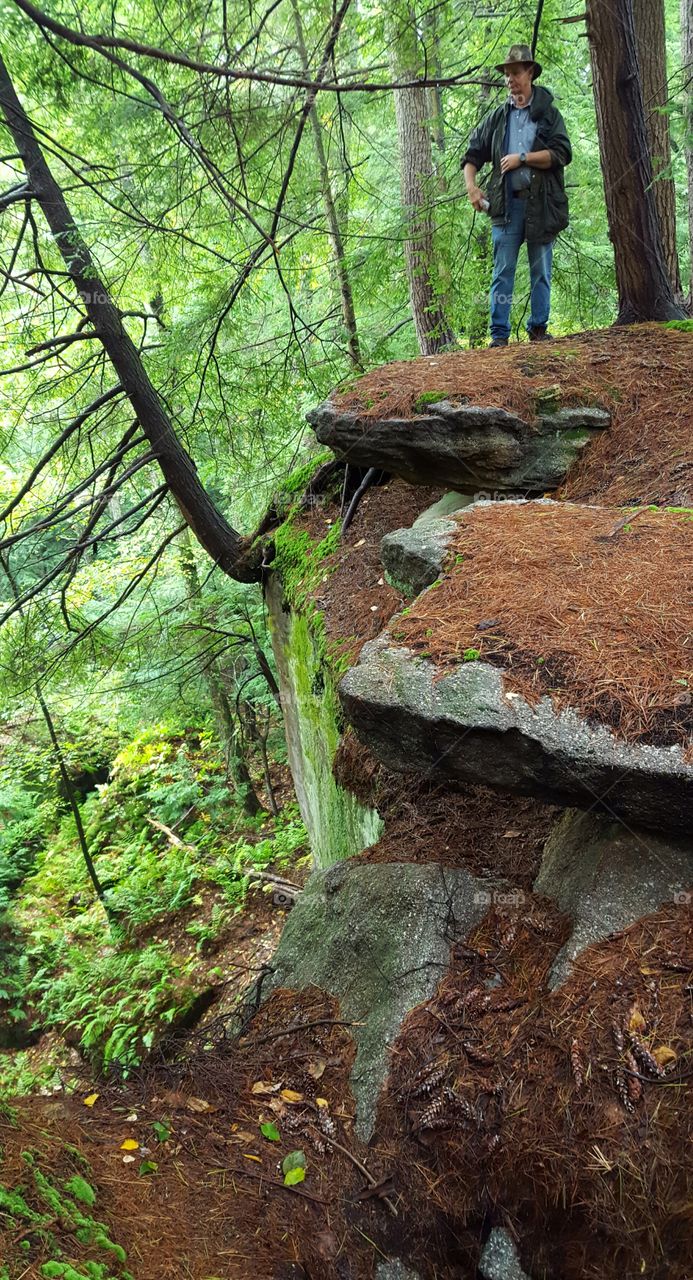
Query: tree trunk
{"x": 417, "y": 185}
{"x": 650, "y": 34}
{"x": 333, "y": 227}
{"x": 687, "y": 62}
{"x": 222, "y": 543}
{"x": 227, "y": 723}
{"x": 644, "y": 287}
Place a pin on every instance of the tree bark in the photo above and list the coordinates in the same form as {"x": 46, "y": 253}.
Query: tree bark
{"x": 227, "y": 547}
{"x": 644, "y": 287}
{"x": 687, "y": 62}
{"x": 650, "y": 33}
{"x": 417, "y": 184}
{"x": 333, "y": 227}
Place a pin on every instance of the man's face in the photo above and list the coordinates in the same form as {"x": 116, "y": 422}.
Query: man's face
{"x": 518, "y": 77}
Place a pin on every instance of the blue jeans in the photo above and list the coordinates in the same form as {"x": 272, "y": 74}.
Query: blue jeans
{"x": 506, "y": 247}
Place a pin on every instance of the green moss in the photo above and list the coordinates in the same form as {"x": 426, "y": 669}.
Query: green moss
{"x": 683, "y": 326}
{"x": 299, "y": 479}
{"x": 426, "y": 398}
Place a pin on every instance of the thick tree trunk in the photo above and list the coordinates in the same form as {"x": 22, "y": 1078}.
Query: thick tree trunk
{"x": 212, "y": 531}
{"x": 644, "y": 288}
{"x": 333, "y": 227}
{"x": 417, "y": 185}
{"x": 650, "y": 33}
{"x": 687, "y": 61}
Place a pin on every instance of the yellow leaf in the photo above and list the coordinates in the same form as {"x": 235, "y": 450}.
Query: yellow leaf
{"x": 637, "y": 1022}
{"x": 264, "y": 1086}
{"x": 290, "y": 1095}
{"x": 248, "y": 1157}
{"x": 129, "y": 1145}
{"x": 89, "y": 1102}
{"x": 322, "y": 1102}
{"x": 664, "y": 1055}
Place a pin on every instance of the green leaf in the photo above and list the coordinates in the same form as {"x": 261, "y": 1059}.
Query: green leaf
{"x": 294, "y": 1176}
{"x": 148, "y": 1166}
{"x": 294, "y": 1160}
{"x": 161, "y": 1130}
{"x": 270, "y": 1131}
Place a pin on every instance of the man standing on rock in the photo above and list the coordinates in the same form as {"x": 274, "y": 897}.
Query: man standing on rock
{"x": 526, "y": 143}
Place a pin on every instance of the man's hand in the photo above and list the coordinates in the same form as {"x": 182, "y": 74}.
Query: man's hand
{"x": 508, "y": 163}
{"x": 476, "y": 196}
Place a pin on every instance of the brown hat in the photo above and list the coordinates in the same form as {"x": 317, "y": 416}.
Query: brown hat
{"x": 520, "y": 53}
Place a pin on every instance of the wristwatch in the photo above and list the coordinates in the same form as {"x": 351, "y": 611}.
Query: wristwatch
{"x": 523, "y": 157}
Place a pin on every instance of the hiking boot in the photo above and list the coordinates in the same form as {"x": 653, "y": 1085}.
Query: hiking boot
{"x": 539, "y": 334}
{"x": 498, "y": 342}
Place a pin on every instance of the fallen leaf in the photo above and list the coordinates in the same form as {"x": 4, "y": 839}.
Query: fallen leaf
{"x": 664, "y": 1055}
{"x": 270, "y": 1131}
{"x": 128, "y": 1159}
{"x": 294, "y": 1176}
{"x": 294, "y": 1160}
{"x": 290, "y": 1095}
{"x": 264, "y": 1086}
{"x": 89, "y": 1102}
{"x": 147, "y": 1166}
{"x": 322, "y": 1102}
{"x": 511, "y": 835}
{"x": 636, "y": 1021}
{"x": 130, "y": 1144}
{"x": 199, "y": 1105}
{"x": 162, "y": 1131}
{"x": 246, "y": 1156}
{"x": 316, "y": 1067}
{"x": 131, "y": 1117}
{"x": 243, "y": 1136}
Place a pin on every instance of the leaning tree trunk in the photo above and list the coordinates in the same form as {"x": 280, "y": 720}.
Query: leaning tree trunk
{"x": 650, "y": 34}
{"x": 417, "y": 184}
{"x": 212, "y": 531}
{"x": 333, "y": 227}
{"x": 687, "y": 61}
{"x": 644, "y": 288}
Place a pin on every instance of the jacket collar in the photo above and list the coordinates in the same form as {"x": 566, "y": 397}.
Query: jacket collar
{"x": 539, "y": 103}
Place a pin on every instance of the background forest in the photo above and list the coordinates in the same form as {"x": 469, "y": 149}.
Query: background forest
{"x": 252, "y": 233}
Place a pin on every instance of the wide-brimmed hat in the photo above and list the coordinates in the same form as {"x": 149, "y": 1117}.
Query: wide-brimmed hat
{"x": 520, "y": 53}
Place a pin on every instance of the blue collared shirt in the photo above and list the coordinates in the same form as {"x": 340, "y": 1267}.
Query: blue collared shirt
{"x": 520, "y": 137}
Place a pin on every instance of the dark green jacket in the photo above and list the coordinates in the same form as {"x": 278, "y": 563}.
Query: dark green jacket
{"x": 547, "y": 203}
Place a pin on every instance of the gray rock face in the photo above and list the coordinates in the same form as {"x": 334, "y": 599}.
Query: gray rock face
{"x": 464, "y": 725}
{"x": 394, "y": 1270}
{"x": 500, "y": 1260}
{"x": 378, "y": 937}
{"x": 607, "y": 876}
{"x": 474, "y": 449}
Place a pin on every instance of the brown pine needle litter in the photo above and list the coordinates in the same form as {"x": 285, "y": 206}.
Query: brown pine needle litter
{"x": 643, "y": 374}
{"x": 601, "y": 621}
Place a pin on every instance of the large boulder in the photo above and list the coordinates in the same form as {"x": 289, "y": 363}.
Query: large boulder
{"x": 462, "y": 723}
{"x": 606, "y": 876}
{"x": 474, "y": 449}
{"x": 377, "y": 936}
